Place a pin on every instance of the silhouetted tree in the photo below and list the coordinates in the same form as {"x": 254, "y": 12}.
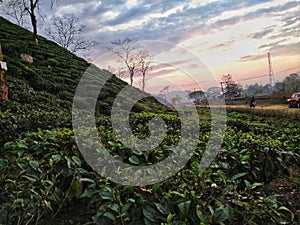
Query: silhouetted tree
{"x": 292, "y": 83}
{"x": 126, "y": 51}
{"x": 144, "y": 66}
{"x": 134, "y": 58}
{"x": 21, "y": 8}
{"x": 66, "y": 31}
{"x": 229, "y": 86}
{"x": 15, "y": 10}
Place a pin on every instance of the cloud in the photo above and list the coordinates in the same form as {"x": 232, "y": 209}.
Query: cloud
{"x": 224, "y": 44}
{"x": 269, "y": 46}
{"x": 252, "y": 57}
{"x": 175, "y": 25}
{"x": 135, "y": 13}
{"x": 177, "y": 21}
{"x": 276, "y": 49}
{"x": 291, "y": 19}
{"x": 251, "y": 15}
{"x": 163, "y": 72}
{"x": 143, "y": 9}
{"x": 263, "y": 33}
{"x": 174, "y": 21}
{"x": 290, "y": 49}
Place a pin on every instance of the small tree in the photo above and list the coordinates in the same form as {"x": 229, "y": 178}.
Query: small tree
{"x": 66, "y": 31}
{"x": 15, "y": 9}
{"x": 229, "y": 87}
{"x": 144, "y": 66}
{"x": 18, "y": 9}
{"x": 126, "y": 52}
{"x": 292, "y": 83}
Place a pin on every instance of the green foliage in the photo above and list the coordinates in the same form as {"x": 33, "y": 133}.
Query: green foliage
{"x": 54, "y": 74}
{"x": 39, "y": 173}
{"x": 45, "y": 180}
{"x": 43, "y": 172}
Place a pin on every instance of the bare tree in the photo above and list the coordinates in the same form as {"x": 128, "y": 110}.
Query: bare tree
{"x": 15, "y": 9}
{"x": 144, "y": 66}
{"x": 66, "y": 31}
{"x": 21, "y": 8}
{"x": 126, "y": 51}
{"x": 30, "y": 7}
{"x": 135, "y": 59}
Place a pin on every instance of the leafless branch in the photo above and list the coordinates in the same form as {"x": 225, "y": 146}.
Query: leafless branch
{"x": 126, "y": 51}
{"x": 66, "y": 31}
{"x": 144, "y": 66}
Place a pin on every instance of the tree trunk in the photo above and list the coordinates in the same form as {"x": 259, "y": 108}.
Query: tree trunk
{"x": 143, "y": 82}
{"x": 34, "y": 26}
{"x": 33, "y": 6}
{"x": 131, "y": 77}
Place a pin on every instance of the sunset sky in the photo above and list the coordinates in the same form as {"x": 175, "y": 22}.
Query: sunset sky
{"x": 229, "y": 37}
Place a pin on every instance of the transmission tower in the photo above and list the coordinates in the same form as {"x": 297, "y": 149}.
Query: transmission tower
{"x": 271, "y": 74}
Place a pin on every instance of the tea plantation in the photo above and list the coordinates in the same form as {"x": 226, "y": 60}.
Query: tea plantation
{"x": 254, "y": 179}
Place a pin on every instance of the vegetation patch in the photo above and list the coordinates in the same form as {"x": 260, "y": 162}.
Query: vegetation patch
{"x": 45, "y": 180}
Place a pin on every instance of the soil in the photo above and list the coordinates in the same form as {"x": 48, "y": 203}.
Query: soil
{"x": 287, "y": 187}
{"x": 275, "y": 107}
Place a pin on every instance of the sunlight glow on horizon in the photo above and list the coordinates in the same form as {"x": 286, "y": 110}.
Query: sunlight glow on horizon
{"x": 234, "y": 42}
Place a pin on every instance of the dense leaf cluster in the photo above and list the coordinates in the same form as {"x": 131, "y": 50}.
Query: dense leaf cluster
{"x": 43, "y": 174}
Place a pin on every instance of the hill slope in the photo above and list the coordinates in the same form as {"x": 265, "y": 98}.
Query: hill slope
{"x": 44, "y": 90}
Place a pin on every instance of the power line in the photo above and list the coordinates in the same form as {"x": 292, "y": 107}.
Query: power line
{"x": 264, "y": 75}
{"x": 288, "y": 69}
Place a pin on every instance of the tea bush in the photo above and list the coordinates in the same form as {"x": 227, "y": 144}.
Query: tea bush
{"x": 45, "y": 180}
{"x": 43, "y": 173}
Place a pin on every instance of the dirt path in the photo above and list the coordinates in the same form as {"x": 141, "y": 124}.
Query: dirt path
{"x": 275, "y": 107}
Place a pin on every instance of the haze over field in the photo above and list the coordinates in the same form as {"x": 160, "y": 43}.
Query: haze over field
{"x": 229, "y": 37}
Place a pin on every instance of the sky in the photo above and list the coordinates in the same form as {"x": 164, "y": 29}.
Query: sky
{"x": 195, "y": 42}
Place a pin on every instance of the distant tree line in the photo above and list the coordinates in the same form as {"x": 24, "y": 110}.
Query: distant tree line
{"x": 230, "y": 90}
{"x": 289, "y": 85}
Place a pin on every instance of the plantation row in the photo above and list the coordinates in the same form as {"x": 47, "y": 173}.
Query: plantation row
{"x": 45, "y": 180}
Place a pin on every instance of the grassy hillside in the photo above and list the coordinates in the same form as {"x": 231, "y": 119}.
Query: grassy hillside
{"x": 44, "y": 90}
